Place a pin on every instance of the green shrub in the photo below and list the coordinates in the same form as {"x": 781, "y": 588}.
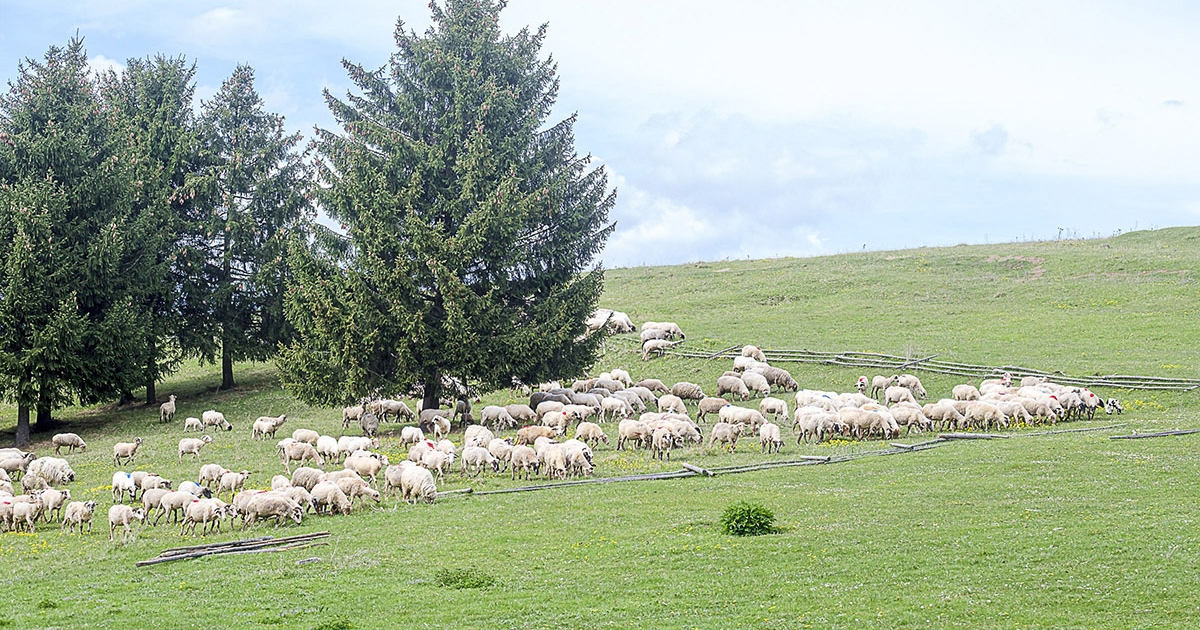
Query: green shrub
{"x": 464, "y": 578}
{"x": 747, "y": 519}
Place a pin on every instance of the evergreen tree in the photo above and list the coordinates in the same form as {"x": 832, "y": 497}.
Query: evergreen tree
{"x": 253, "y": 195}
{"x": 154, "y": 98}
{"x": 470, "y": 222}
{"x": 68, "y": 241}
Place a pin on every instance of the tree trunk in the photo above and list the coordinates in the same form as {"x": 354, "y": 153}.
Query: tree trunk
{"x": 22, "y": 425}
{"x": 43, "y": 415}
{"x": 226, "y": 365}
{"x": 126, "y": 398}
{"x": 151, "y": 394}
{"x": 152, "y": 373}
{"x": 433, "y": 388}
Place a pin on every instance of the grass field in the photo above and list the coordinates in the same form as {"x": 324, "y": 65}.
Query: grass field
{"x": 1062, "y": 531}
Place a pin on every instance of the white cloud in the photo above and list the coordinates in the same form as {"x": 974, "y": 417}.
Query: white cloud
{"x": 100, "y": 64}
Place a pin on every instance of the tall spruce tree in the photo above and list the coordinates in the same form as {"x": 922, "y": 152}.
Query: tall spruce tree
{"x": 69, "y": 241}
{"x": 153, "y": 97}
{"x": 470, "y": 222}
{"x": 254, "y": 195}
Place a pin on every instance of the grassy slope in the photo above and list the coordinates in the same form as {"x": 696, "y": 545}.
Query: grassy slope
{"x": 1063, "y": 531}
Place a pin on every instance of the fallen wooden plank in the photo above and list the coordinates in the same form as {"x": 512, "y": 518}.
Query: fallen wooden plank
{"x": 899, "y": 445}
{"x": 1137, "y": 436}
{"x": 182, "y": 553}
{"x": 459, "y": 491}
{"x": 1084, "y": 430}
{"x": 972, "y": 436}
{"x": 698, "y": 470}
{"x": 232, "y": 543}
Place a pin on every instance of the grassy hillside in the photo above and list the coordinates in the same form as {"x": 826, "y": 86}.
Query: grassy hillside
{"x": 1070, "y": 530}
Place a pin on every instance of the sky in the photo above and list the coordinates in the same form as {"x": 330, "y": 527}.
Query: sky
{"x": 762, "y": 129}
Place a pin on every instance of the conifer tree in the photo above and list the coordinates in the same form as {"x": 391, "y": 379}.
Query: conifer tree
{"x": 471, "y": 223}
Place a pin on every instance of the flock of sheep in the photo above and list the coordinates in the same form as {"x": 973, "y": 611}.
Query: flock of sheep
{"x": 648, "y": 414}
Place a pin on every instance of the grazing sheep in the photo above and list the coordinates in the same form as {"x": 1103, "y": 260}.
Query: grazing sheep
{"x": 122, "y": 484}
{"x": 985, "y": 415}
{"x": 300, "y": 452}
{"x": 913, "y": 384}
{"x": 614, "y": 407}
{"x": 965, "y": 392}
{"x": 166, "y": 411}
{"x": 153, "y": 482}
{"x": 214, "y": 418}
{"x": 16, "y": 466}
{"x": 1015, "y": 411}
{"x": 31, "y": 483}
{"x": 661, "y": 442}
{"x": 191, "y": 488}
{"x": 438, "y": 462}
{"x": 279, "y": 482}
{"x": 520, "y": 413}
{"x": 526, "y": 435}
{"x": 304, "y": 435}
{"x": 898, "y": 394}
{"x": 417, "y": 484}
{"x": 880, "y": 383}
{"x": 477, "y": 435}
{"x": 233, "y": 481}
{"x": 210, "y": 474}
{"x": 27, "y": 512}
{"x": 1112, "y": 405}
{"x": 909, "y": 415}
{"x": 124, "y": 516}
{"x": 553, "y": 461}
{"x": 193, "y": 424}
{"x": 778, "y": 377}
{"x": 673, "y": 331}
{"x": 580, "y": 412}
{"x": 547, "y": 406}
{"x": 475, "y": 458}
{"x": 367, "y": 466}
{"x": 305, "y": 477}
{"x": 524, "y": 459}
{"x": 192, "y": 446}
{"x": 751, "y": 418}
{"x": 125, "y": 451}
{"x": 651, "y": 334}
{"x": 656, "y": 347}
{"x": 653, "y": 385}
{"x": 440, "y": 426}
{"x": 773, "y": 406}
{"x": 757, "y": 383}
{"x": 152, "y": 499}
{"x": 206, "y": 512}
{"x": 556, "y": 420}
{"x": 1005, "y": 380}
{"x": 395, "y": 408}
{"x": 76, "y": 514}
{"x": 814, "y": 422}
{"x": 769, "y": 437}
{"x": 267, "y": 425}
{"x": 709, "y": 405}
{"x": 271, "y": 505}
{"x": 496, "y": 416}
{"x": 411, "y": 435}
{"x": 590, "y": 433}
{"x": 69, "y": 440}
{"x": 687, "y": 391}
{"x": 501, "y": 449}
{"x": 369, "y": 423}
{"x": 54, "y": 470}
{"x": 732, "y": 385}
{"x": 754, "y": 352}
{"x": 351, "y": 414}
{"x": 726, "y": 433}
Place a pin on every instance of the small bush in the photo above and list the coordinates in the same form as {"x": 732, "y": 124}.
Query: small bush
{"x": 47, "y": 604}
{"x": 464, "y": 578}
{"x": 335, "y": 624}
{"x": 747, "y": 519}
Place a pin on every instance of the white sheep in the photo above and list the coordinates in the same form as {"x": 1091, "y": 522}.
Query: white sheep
{"x": 69, "y": 440}
{"x": 897, "y": 394}
{"x": 687, "y": 391}
{"x": 166, "y": 411}
{"x": 53, "y": 469}
{"x": 193, "y": 424}
{"x": 477, "y": 435}
{"x": 438, "y": 461}
{"x": 965, "y": 392}
{"x": 670, "y": 403}
{"x": 303, "y": 435}
{"x": 417, "y": 484}
{"x": 732, "y": 385}
{"x": 661, "y": 442}
{"x": 440, "y": 425}
{"x": 366, "y": 466}
{"x": 769, "y": 437}
{"x": 553, "y": 461}
{"x": 656, "y": 346}
{"x": 985, "y": 415}
{"x": 210, "y": 474}
{"x": 475, "y": 458}
{"x": 328, "y": 497}
{"x": 673, "y": 331}
{"x": 653, "y": 385}
{"x": 354, "y": 487}
{"x": 880, "y": 383}
{"x": 206, "y": 512}
{"x": 122, "y": 484}
{"x": 913, "y": 384}
{"x": 153, "y": 482}
{"x": 279, "y": 482}
{"x": 351, "y": 414}
{"x": 27, "y": 512}
{"x": 726, "y": 433}
{"x": 815, "y": 422}
{"x": 267, "y": 426}
{"x": 213, "y": 418}
{"x": 633, "y": 430}
{"x": 614, "y": 407}
{"x": 347, "y": 444}
{"x": 125, "y": 451}
{"x": 910, "y": 415}
{"x": 52, "y": 501}
{"x": 300, "y": 452}
{"x": 773, "y": 406}
{"x": 327, "y": 447}
{"x": 524, "y": 459}
{"x": 76, "y": 514}
{"x": 754, "y": 352}
{"x": 397, "y": 409}
{"x": 192, "y": 446}
{"x": 307, "y": 478}
{"x": 520, "y": 412}
{"x": 124, "y": 516}
{"x": 591, "y": 433}
{"x": 233, "y": 481}
{"x": 271, "y": 505}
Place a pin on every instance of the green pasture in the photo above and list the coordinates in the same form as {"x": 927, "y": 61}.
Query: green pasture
{"x": 1053, "y": 531}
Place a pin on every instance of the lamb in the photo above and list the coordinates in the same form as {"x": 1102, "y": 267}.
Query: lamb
{"x": 304, "y": 435}
{"x": 351, "y": 414}
{"x": 440, "y": 425}
{"x": 166, "y": 411}
{"x": 590, "y": 433}
{"x": 347, "y": 444}
{"x": 76, "y": 514}
{"x": 732, "y": 385}
{"x": 769, "y": 437}
{"x": 267, "y": 425}
{"x": 300, "y": 452}
{"x": 622, "y": 376}
{"x": 670, "y": 328}
{"x": 69, "y": 440}
{"x": 367, "y": 466}
{"x": 985, "y": 415}
{"x": 122, "y": 484}
{"x": 270, "y": 504}
{"x": 233, "y": 481}
{"x": 880, "y": 383}
{"x": 192, "y": 446}
{"x": 16, "y": 466}
{"x": 477, "y": 435}
{"x": 965, "y": 392}
{"x": 417, "y": 484}
{"x": 632, "y": 430}
{"x": 438, "y": 462}
{"x": 1112, "y": 405}
{"x": 911, "y": 383}
{"x": 1015, "y": 411}
{"x": 726, "y": 433}
{"x": 757, "y": 383}
{"x": 652, "y": 334}
{"x": 193, "y": 424}
{"x": 524, "y": 459}
{"x": 27, "y": 512}
{"x": 687, "y": 391}
{"x": 357, "y": 487}
{"x": 898, "y": 394}
{"x": 774, "y": 407}
{"x": 660, "y": 444}
{"x": 305, "y": 477}
{"x": 861, "y": 385}
{"x": 125, "y": 451}
{"x": 411, "y": 435}
{"x": 475, "y": 458}
{"x": 656, "y": 346}
{"x": 31, "y": 483}
{"x": 206, "y": 512}
{"x": 210, "y": 474}
{"x": 124, "y": 516}
{"x": 526, "y": 435}
{"x": 52, "y": 501}
{"x": 751, "y": 418}
{"x": 778, "y": 377}
{"x": 213, "y": 418}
